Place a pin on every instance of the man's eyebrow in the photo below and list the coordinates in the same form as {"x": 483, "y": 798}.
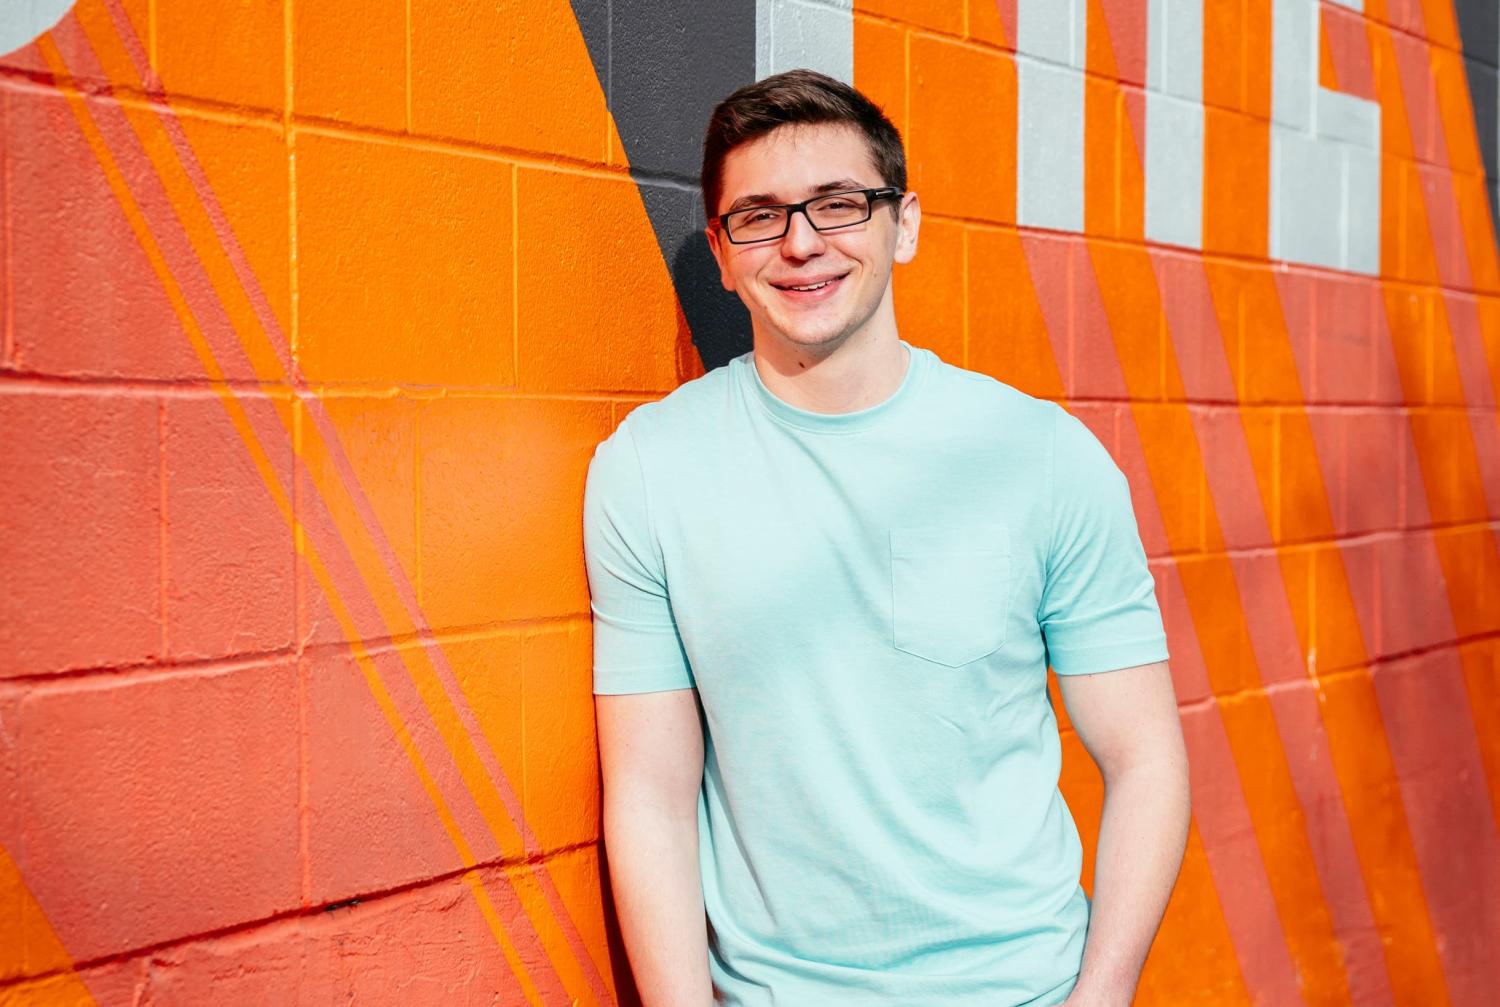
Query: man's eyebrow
{"x": 758, "y": 198}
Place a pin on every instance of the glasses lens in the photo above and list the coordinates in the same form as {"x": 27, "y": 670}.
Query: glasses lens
{"x": 756, "y": 223}
{"x": 839, "y": 209}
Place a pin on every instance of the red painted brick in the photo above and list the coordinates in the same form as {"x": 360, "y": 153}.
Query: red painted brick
{"x": 93, "y": 307}
{"x": 160, "y": 807}
{"x": 1236, "y": 498}
{"x": 1418, "y": 94}
{"x": 1264, "y": 600}
{"x": 426, "y": 945}
{"x": 1341, "y": 605}
{"x": 81, "y": 541}
{"x": 229, "y": 547}
{"x": 1347, "y": 36}
{"x": 1412, "y": 595}
{"x": 501, "y": 491}
{"x": 562, "y": 765}
{"x": 1370, "y": 493}
{"x": 1189, "y": 674}
{"x": 1094, "y": 361}
{"x": 1343, "y": 335}
{"x": 1124, "y": 29}
{"x": 1193, "y": 330}
{"x": 362, "y": 790}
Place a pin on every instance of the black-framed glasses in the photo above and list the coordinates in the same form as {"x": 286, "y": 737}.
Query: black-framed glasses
{"x": 827, "y": 212}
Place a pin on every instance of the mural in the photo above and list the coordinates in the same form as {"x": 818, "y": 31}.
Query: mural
{"x": 311, "y": 325}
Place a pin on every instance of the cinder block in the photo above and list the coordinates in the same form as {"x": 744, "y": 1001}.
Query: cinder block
{"x": 569, "y": 295}
{"x": 1236, "y": 152}
{"x": 1235, "y": 492}
{"x": 373, "y": 220}
{"x": 1408, "y": 315}
{"x": 229, "y": 544}
{"x": 1413, "y": 595}
{"x": 467, "y": 58}
{"x": 1125, "y": 32}
{"x": 1304, "y": 498}
{"x": 1052, "y": 31}
{"x": 790, "y": 34}
{"x": 936, "y": 15}
{"x": 1342, "y": 605}
{"x": 1371, "y": 492}
{"x": 94, "y": 307}
{"x": 1174, "y": 171}
{"x": 962, "y": 156}
{"x": 1011, "y": 335}
{"x": 364, "y": 791}
{"x": 1170, "y": 461}
{"x": 992, "y": 21}
{"x": 1343, "y": 337}
{"x": 1424, "y": 124}
{"x": 880, "y": 67}
{"x": 1307, "y": 197}
{"x": 1189, "y": 674}
{"x": 1346, "y": 35}
{"x": 351, "y": 69}
{"x": 201, "y": 831}
{"x": 1049, "y": 145}
{"x": 501, "y": 491}
{"x": 1445, "y": 448}
{"x": 378, "y": 439}
{"x": 81, "y": 547}
{"x": 1223, "y": 635}
{"x": 233, "y": 54}
{"x": 1094, "y": 369}
{"x": 561, "y": 750}
{"x": 1294, "y": 79}
{"x": 929, "y": 291}
{"x": 579, "y": 878}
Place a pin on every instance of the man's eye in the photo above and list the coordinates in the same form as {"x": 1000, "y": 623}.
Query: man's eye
{"x": 760, "y": 216}
{"x": 838, "y": 204}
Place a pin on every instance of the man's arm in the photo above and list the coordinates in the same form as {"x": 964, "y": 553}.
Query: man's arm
{"x": 1127, "y": 720}
{"x": 651, "y": 757}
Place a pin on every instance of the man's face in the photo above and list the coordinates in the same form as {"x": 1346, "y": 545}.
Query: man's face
{"x": 787, "y": 165}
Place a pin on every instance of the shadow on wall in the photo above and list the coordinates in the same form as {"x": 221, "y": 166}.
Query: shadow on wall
{"x": 717, "y": 318}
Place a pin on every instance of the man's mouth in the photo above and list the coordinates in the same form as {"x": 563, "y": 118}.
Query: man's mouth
{"x": 811, "y": 285}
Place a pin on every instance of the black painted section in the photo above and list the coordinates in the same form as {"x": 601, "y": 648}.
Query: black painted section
{"x": 1479, "y": 25}
{"x": 663, "y": 65}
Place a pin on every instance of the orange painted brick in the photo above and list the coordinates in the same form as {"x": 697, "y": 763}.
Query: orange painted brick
{"x": 929, "y": 291}
{"x": 938, "y": 15}
{"x": 992, "y": 21}
{"x": 1123, "y": 30}
{"x": 471, "y": 62}
{"x": 229, "y": 53}
{"x": 562, "y": 766}
{"x": 1236, "y": 181}
{"x": 404, "y": 265}
{"x": 501, "y": 492}
{"x": 583, "y": 241}
{"x": 352, "y": 69}
{"x": 1445, "y": 447}
{"x": 379, "y": 439}
{"x": 962, "y": 154}
{"x": 1275, "y": 331}
{"x": 1240, "y": 513}
{"x": 176, "y": 816}
{"x": 1175, "y": 469}
{"x": 578, "y": 876}
{"x": 81, "y": 549}
{"x": 1409, "y": 317}
{"x": 229, "y": 547}
{"x": 880, "y": 67}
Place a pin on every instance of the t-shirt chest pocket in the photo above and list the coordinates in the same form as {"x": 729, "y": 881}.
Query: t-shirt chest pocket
{"x": 950, "y": 591}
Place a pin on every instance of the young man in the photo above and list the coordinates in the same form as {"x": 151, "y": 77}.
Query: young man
{"x": 827, "y": 582}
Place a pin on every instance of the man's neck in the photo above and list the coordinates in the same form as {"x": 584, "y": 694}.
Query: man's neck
{"x": 862, "y": 372}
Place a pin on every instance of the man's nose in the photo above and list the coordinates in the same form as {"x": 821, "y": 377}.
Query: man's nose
{"x": 801, "y": 238}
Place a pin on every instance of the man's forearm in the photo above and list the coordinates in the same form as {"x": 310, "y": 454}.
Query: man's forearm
{"x": 653, "y": 867}
{"x": 1142, "y": 835}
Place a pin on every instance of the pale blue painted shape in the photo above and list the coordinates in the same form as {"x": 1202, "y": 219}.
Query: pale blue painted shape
{"x": 21, "y": 21}
{"x": 1174, "y": 170}
{"x": 1054, "y": 31}
{"x": 1049, "y": 145}
{"x": 818, "y": 34}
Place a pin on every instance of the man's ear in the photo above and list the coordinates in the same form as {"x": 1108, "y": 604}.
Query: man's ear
{"x": 907, "y": 225}
{"x": 718, "y": 244}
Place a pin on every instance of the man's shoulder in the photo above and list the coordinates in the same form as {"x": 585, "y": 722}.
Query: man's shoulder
{"x": 692, "y": 410}
{"x": 988, "y": 399}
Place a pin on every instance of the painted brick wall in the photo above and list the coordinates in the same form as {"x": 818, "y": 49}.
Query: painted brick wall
{"x": 312, "y": 321}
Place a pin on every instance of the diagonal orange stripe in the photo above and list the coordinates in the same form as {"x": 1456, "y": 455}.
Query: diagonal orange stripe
{"x": 266, "y": 469}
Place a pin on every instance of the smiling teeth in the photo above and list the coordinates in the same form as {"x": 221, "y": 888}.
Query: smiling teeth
{"x": 815, "y": 286}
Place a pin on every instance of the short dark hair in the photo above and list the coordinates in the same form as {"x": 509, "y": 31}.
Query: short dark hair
{"x": 796, "y": 96}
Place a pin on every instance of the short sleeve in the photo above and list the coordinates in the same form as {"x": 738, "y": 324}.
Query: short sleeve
{"x": 636, "y": 644}
{"x": 1098, "y": 610}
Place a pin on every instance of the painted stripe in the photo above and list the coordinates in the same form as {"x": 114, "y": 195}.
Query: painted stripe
{"x": 1174, "y": 122}
{"x": 374, "y": 536}
{"x": 1051, "y": 47}
{"x": 818, "y": 34}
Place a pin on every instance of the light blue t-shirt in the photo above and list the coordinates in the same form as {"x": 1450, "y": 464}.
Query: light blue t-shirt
{"x": 867, "y": 604}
